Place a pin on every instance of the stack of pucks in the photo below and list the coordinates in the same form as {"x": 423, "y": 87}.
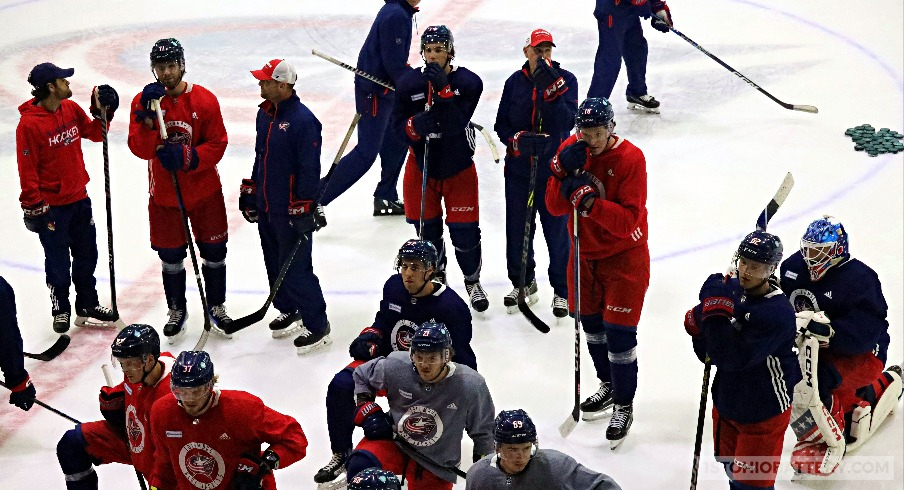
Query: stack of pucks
{"x": 875, "y": 143}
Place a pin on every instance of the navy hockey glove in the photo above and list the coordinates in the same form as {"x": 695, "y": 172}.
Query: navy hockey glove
{"x": 177, "y": 156}
{"x": 112, "y": 401}
{"x": 421, "y": 124}
{"x": 547, "y": 79}
{"x": 366, "y": 346}
{"x": 301, "y": 217}
{"x": 437, "y": 78}
{"x": 104, "y": 96}
{"x": 38, "y": 217}
{"x": 571, "y": 158}
{"x": 580, "y": 192}
{"x": 252, "y": 469}
{"x": 374, "y": 421}
{"x": 662, "y": 17}
{"x": 23, "y": 394}
{"x": 526, "y": 143}
{"x": 692, "y": 321}
{"x": 717, "y": 296}
{"x": 152, "y": 91}
{"x": 248, "y": 200}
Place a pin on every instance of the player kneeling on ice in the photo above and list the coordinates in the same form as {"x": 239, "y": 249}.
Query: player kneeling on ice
{"x": 124, "y": 436}
{"x": 746, "y": 328}
{"x": 410, "y": 298}
{"x": 519, "y": 463}
{"x": 842, "y": 316}
{"x": 429, "y": 408}
{"x": 208, "y": 438}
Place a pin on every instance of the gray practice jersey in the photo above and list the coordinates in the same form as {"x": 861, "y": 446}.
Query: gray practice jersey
{"x": 432, "y": 417}
{"x": 548, "y": 469}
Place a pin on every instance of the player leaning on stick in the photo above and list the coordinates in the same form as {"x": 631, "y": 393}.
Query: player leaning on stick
{"x": 195, "y": 144}
{"x": 603, "y": 178}
{"x": 54, "y": 198}
{"x": 436, "y": 104}
{"x": 124, "y": 435}
{"x": 840, "y": 304}
{"x": 746, "y": 327}
{"x": 536, "y": 113}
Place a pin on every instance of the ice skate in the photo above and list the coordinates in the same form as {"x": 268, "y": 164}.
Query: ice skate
{"x": 478, "y": 296}
{"x": 286, "y": 324}
{"x": 218, "y": 320}
{"x": 511, "y": 299}
{"x": 598, "y": 404}
{"x": 620, "y": 424}
{"x": 382, "y": 207}
{"x": 61, "y": 322}
{"x": 175, "y": 325}
{"x": 309, "y": 341}
{"x": 332, "y": 476}
{"x": 98, "y": 317}
{"x": 559, "y": 306}
{"x": 643, "y": 103}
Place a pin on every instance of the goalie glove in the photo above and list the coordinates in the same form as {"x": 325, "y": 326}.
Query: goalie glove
{"x": 815, "y": 324}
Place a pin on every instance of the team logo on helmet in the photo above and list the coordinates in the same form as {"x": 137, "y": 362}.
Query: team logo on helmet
{"x": 421, "y": 426}
{"x": 135, "y": 430}
{"x": 202, "y": 465}
{"x": 401, "y": 335}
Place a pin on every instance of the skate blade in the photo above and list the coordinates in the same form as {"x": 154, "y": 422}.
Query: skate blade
{"x": 594, "y": 416}
{"x": 281, "y": 334}
{"x": 174, "y": 339}
{"x": 638, "y": 107}
{"x": 218, "y": 332}
{"x": 301, "y": 351}
{"x": 529, "y": 300}
{"x": 511, "y": 310}
{"x": 337, "y": 484}
{"x": 88, "y": 322}
{"x": 613, "y": 444}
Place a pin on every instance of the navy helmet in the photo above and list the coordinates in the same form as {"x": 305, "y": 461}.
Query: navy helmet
{"x": 374, "y": 479}
{"x": 760, "y": 246}
{"x": 168, "y": 49}
{"x": 431, "y": 337}
{"x": 192, "y": 368}
{"x": 416, "y": 249}
{"x": 438, "y": 34}
{"x": 824, "y": 244}
{"x": 514, "y": 427}
{"x": 594, "y": 112}
{"x": 136, "y": 340}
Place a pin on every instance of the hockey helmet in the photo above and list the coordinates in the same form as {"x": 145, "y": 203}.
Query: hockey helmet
{"x": 431, "y": 337}
{"x": 191, "y": 369}
{"x": 824, "y": 244}
{"x": 166, "y": 50}
{"x": 438, "y": 34}
{"x": 594, "y": 112}
{"x": 136, "y": 340}
{"x": 514, "y": 427}
{"x": 374, "y": 479}
{"x": 422, "y": 250}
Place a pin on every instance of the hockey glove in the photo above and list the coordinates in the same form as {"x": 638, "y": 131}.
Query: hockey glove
{"x": 373, "y": 420}
{"x": 248, "y": 200}
{"x": 717, "y": 297}
{"x": 817, "y": 325}
{"x": 366, "y": 346}
{"x": 475, "y": 457}
{"x": 152, "y": 91}
{"x": 692, "y": 321}
{"x": 38, "y": 217}
{"x": 571, "y": 158}
{"x": 421, "y": 124}
{"x": 23, "y": 394}
{"x": 113, "y": 407}
{"x": 104, "y": 96}
{"x": 662, "y": 18}
{"x": 436, "y": 75}
{"x": 548, "y": 79}
{"x": 177, "y": 156}
{"x": 252, "y": 469}
{"x": 580, "y": 192}
{"x": 526, "y": 143}
{"x": 301, "y": 217}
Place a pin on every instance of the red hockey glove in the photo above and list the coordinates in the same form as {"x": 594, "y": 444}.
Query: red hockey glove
{"x": 252, "y": 469}
{"x": 248, "y": 200}
{"x": 38, "y": 217}
{"x": 580, "y": 192}
{"x": 691, "y": 322}
{"x": 374, "y": 421}
{"x": 301, "y": 217}
{"x": 717, "y": 297}
{"x": 548, "y": 79}
{"x": 113, "y": 406}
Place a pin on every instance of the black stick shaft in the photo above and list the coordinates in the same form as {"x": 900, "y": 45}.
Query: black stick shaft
{"x": 109, "y": 203}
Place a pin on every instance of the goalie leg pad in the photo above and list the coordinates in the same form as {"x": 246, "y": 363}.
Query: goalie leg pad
{"x": 867, "y": 417}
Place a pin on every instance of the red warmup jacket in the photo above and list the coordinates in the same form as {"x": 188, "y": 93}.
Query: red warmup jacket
{"x": 618, "y": 220}
{"x": 49, "y": 153}
{"x": 192, "y": 118}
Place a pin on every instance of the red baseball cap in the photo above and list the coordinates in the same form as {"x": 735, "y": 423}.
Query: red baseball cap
{"x": 279, "y": 70}
{"x": 539, "y": 36}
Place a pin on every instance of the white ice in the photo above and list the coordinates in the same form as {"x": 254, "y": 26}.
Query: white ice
{"x": 714, "y": 157}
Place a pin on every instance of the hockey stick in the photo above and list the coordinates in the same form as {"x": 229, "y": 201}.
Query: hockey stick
{"x": 420, "y": 228}
{"x": 51, "y": 353}
{"x": 804, "y": 108}
{"x": 572, "y": 421}
{"x": 109, "y": 379}
{"x": 155, "y": 104}
{"x": 48, "y": 407}
{"x": 405, "y": 444}
{"x": 367, "y": 76}
{"x": 762, "y": 222}
{"x": 109, "y": 202}
{"x": 248, "y": 320}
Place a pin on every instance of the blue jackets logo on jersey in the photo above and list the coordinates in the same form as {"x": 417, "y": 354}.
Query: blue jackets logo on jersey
{"x": 420, "y": 426}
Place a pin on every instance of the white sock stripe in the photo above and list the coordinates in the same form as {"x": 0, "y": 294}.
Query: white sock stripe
{"x": 626, "y": 357}
{"x": 79, "y": 476}
{"x": 596, "y": 338}
{"x": 213, "y": 265}
{"x": 169, "y": 268}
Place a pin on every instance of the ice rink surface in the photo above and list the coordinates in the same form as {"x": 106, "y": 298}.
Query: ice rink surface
{"x": 714, "y": 157}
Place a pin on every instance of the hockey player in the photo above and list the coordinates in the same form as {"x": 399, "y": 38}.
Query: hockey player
{"x": 621, "y": 37}
{"x": 436, "y": 103}
{"x": 429, "y": 408}
{"x": 12, "y": 363}
{"x": 196, "y": 141}
{"x": 385, "y": 56}
{"x": 374, "y": 479}
{"x": 207, "y": 438}
{"x": 746, "y": 328}
{"x": 285, "y": 172}
{"x": 54, "y": 198}
{"x": 410, "y": 298}
{"x": 843, "y": 317}
{"x": 124, "y": 434}
{"x": 535, "y": 115}
{"x": 519, "y": 463}
{"x": 603, "y": 178}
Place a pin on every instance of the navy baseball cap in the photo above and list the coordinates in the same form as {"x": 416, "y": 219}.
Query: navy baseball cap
{"x": 46, "y": 73}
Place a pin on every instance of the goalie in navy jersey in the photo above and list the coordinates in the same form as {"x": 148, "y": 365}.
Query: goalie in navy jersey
{"x": 745, "y": 326}
{"x": 410, "y": 298}
{"x": 436, "y": 104}
{"x": 842, "y": 315}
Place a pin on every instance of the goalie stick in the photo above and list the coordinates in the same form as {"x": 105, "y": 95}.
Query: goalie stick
{"x": 367, "y": 76}
{"x": 762, "y": 222}
{"x": 803, "y": 108}
{"x": 53, "y": 351}
{"x": 248, "y": 320}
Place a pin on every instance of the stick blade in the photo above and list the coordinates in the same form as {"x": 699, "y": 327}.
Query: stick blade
{"x": 777, "y": 200}
{"x": 531, "y": 316}
{"x": 805, "y": 108}
{"x": 55, "y": 350}
{"x": 568, "y": 425}
{"x": 245, "y": 321}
